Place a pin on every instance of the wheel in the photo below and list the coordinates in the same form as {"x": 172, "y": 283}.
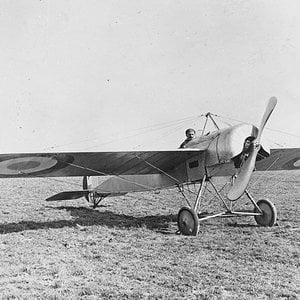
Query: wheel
{"x": 187, "y": 221}
{"x": 269, "y": 216}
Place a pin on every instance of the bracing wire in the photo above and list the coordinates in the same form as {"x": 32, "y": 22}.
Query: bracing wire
{"x": 172, "y": 127}
{"x": 275, "y": 143}
{"x": 58, "y": 180}
{"x": 137, "y": 134}
{"x": 160, "y": 126}
{"x": 222, "y": 121}
{"x": 283, "y": 132}
{"x": 170, "y": 132}
{"x": 139, "y": 131}
{"x": 106, "y": 174}
{"x": 268, "y": 128}
{"x": 263, "y": 174}
{"x": 148, "y": 188}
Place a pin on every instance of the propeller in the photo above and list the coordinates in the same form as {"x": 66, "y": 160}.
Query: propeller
{"x": 241, "y": 182}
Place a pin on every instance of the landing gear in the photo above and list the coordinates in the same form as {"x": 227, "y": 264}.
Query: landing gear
{"x": 264, "y": 211}
{"x": 187, "y": 221}
{"x": 269, "y": 213}
{"x": 94, "y": 198}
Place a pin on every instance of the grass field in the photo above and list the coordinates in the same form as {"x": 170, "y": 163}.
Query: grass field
{"x": 128, "y": 247}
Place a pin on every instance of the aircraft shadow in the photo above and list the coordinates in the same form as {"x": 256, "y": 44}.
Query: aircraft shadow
{"x": 83, "y": 216}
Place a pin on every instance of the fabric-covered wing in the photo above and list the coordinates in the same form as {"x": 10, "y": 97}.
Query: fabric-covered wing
{"x": 280, "y": 159}
{"x": 92, "y": 163}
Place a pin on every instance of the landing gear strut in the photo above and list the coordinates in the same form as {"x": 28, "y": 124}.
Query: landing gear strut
{"x": 264, "y": 211}
{"x": 94, "y": 198}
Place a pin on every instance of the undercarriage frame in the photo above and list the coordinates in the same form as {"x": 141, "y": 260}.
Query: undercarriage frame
{"x": 189, "y": 217}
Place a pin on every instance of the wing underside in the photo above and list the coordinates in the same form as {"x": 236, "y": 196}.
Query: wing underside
{"x": 93, "y": 163}
{"x": 280, "y": 159}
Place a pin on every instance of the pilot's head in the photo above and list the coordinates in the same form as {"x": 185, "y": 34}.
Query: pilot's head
{"x": 190, "y": 133}
{"x": 248, "y": 142}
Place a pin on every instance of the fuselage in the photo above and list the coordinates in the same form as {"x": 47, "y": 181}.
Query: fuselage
{"x": 217, "y": 151}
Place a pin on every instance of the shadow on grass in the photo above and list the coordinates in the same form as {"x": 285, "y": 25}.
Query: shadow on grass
{"x": 87, "y": 217}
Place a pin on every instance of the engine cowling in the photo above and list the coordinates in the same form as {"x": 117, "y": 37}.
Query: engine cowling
{"x": 228, "y": 143}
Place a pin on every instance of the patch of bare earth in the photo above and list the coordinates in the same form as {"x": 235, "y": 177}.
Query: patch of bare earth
{"x": 128, "y": 247}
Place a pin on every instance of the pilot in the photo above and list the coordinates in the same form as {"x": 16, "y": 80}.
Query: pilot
{"x": 242, "y": 157}
{"x": 190, "y": 134}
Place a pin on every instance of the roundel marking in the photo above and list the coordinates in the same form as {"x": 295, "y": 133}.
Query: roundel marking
{"x": 26, "y": 165}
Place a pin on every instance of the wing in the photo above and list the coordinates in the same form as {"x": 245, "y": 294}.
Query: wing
{"x": 93, "y": 163}
{"x": 280, "y": 159}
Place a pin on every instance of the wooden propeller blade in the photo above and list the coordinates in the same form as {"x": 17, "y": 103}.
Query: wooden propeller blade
{"x": 241, "y": 182}
{"x": 268, "y": 111}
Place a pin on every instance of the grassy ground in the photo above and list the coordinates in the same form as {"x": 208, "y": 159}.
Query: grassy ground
{"x": 128, "y": 247}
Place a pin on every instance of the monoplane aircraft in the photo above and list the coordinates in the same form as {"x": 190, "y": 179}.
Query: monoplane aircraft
{"x": 219, "y": 153}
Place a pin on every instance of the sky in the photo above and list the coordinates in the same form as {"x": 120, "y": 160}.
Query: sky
{"x": 100, "y": 75}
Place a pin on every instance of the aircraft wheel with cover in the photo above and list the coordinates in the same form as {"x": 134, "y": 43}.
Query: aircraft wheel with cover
{"x": 269, "y": 216}
{"x": 188, "y": 222}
